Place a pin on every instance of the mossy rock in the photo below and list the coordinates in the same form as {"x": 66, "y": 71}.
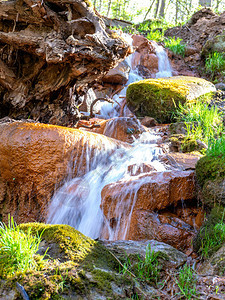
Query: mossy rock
{"x": 180, "y": 143}
{"x": 215, "y": 44}
{"x": 210, "y": 168}
{"x": 210, "y": 173}
{"x": 207, "y": 231}
{"x": 74, "y": 267}
{"x": 215, "y": 265}
{"x": 213, "y": 193}
{"x": 159, "y": 98}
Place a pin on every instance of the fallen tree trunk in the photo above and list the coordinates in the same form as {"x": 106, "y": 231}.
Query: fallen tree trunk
{"x": 50, "y": 53}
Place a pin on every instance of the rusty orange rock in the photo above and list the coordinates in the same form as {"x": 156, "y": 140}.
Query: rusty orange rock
{"x": 147, "y": 225}
{"x": 35, "y": 158}
{"x": 121, "y": 128}
{"x": 155, "y": 191}
{"x": 133, "y": 204}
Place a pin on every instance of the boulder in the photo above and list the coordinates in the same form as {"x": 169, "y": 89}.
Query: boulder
{"x": 145, "y": 54}
{"x": 171, "y": 230}
{"x": 151, "y": 192}
{"x": 171, "y": 257}
{"x": 210, "y": 171}
{"x": 130, "y": 205}
{"x": 148, "y": 122}
{"x": 77, "y": 267}
{"x": 183, "y": 161}
{"x": 215, "y": 265}
{"x": 215, "y": 44}
{"x": 121, "y": 128}
{"x": 118, "y": 75}
{"x": 34, "y": 160}
{"x": 159, "y": 98}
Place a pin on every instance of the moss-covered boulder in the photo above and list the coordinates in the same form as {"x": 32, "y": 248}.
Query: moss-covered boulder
{"x": 210, "y": 171}
{"x": 215, "y": 265}
{"x": 74, "y": 267}
{"x": 211, "y": 235}
{"x": 159, "y": 98}
{"x": 215, "y": 44}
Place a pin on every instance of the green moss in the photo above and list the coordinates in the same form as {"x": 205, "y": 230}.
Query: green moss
{"x": 210, "y": 168}
{"x": 103, "y": 279}
{"x": 208, "y": 241}
{"x": 72, "y": 244}
{"x": 70, "y": 257}
{"x": 189, "y": 145}
{"x": 159, "y": 98}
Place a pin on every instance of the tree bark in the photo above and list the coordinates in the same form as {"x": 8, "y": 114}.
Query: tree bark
{"x": 109, "y": 8}
{"x": 47, "y": 48}
{"x": 162, "y": 9}
{"x": 149, "y": 9}
{"x": 157, "y": 8}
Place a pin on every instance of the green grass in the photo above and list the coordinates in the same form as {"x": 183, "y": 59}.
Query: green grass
{"x": 202, "y": 121}
{"x": 17, "y": 249}
{"x": 212, "y": 236}
{"x": 212, "y": 241}
{"x": 186, "y": 282}
{"x": 175, "y": 45}
{"x": 215, "y": 63}
{"x": 147, "y": 269}
{"x": 217, "y": 147}
{"x": 155, "y": 36}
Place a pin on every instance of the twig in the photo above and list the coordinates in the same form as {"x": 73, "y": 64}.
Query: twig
{"x": 132, "y": 274}
{"x": 22, "y": 291}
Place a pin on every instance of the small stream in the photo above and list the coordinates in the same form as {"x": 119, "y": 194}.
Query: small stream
{"x": 78, "y": 201}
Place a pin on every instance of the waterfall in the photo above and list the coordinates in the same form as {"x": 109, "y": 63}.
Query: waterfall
{"x": 78, "y": 201}
{"x": 164, "y": 67}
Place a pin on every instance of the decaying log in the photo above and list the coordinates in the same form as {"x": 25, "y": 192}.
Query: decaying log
{"x": 48, "y": 49}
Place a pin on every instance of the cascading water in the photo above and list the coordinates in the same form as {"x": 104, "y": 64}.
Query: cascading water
{"x": 77, "y": 202}
{"x": 164, "y": 67}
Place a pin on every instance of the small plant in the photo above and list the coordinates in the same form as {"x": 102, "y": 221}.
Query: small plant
{"x": 217, "y": 147}
{"x": 175, "y": 45}
{"x": 206, "y": 121}
{"x": 17, "y": 249}
{"x": 215, "y": 63}
{"x": 212, "y": 237}
{"x": 186, "y": 282}
{"x": 145, "y": 270}
{"x": 155, "y": 35}
{"x": 149, "y": 268}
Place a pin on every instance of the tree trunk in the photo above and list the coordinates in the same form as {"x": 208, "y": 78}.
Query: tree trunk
{"x": 51, "y": 52}
{"x": 149, "y": 9}
{"x": 177, "y": 9}
{"x": 162, "y": 9}
{"x": 157, "y": 8}
{"x": 109, "y": 8}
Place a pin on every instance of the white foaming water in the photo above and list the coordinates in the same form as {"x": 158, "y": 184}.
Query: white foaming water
{"x": 111, "y": 111}
{"x": 164, "y": 67}
{"x": 165, "y": 70}
{"x": 78, "y": 201}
